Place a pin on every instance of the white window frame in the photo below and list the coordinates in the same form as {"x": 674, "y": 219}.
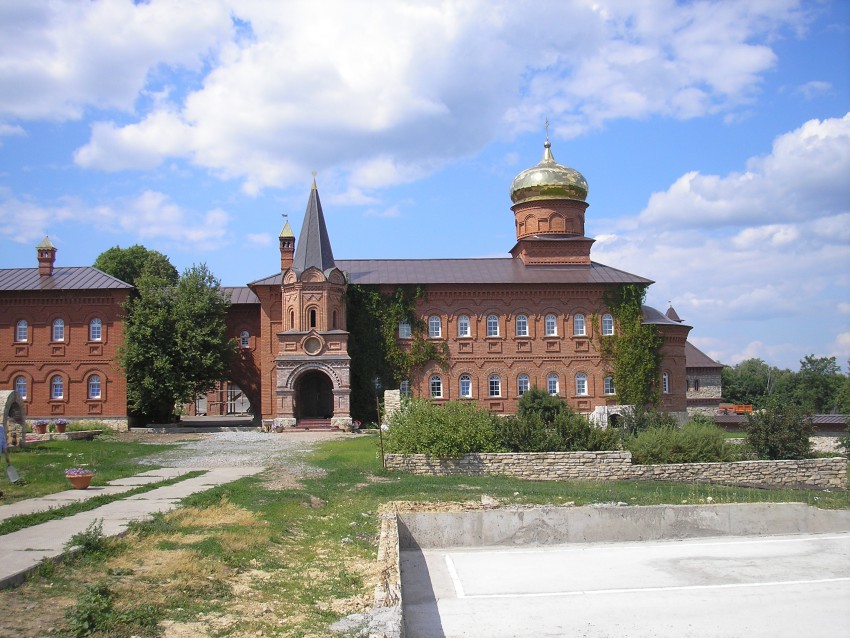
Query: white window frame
{"x": 607, "y": 325}
{"x": 492, "y": 326}
{"x": 244, "y": 339}
{"x": 608, "y": 385}
{"x": 553, "y": 384}
{"x": 95, "y": 329}
{"x": 22, "y": 331}
{"x": 581, "y": 384}
{"x": 494, "y": 383}
{"x": 21, "y": 383}
{"x": 579, "y": 325}
{"x": 404, "y": 388}
{"x": 522, "y": 325}
{"x": 463, "y": 326}
{"x": 404, "y": 330}
{"x": 58, "y": 330}
{"x": 551, "y": 328}
{"x": 93, "y": 387}
{"x": 435, "y": 327}
{"x": 665, "y": 383}
{"x": 436, "y": 386}
{"x": 465, "y": 386}
{"x": 57, "y": 387}
{"x": 523, "y": 384}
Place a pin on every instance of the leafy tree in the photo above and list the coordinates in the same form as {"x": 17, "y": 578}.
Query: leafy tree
{"x": 128, "y": 264}
{"x": 842, "y": 398}
{"x": 175, "y": 346}
{"x": 780, "y": 432}
{"x": 817, "y": 385}
{"x": 537, "y": 401}
{"x": 754, "y": 382}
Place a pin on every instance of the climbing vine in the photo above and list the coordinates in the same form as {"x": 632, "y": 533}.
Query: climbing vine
{"x": 376, "y": 353}
{"x": 634, "y": 351}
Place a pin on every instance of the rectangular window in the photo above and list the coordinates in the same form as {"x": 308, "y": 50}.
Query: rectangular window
{"x": 552, "y": 384}
{"x": 551, "y": 326}
{"x": 495, "y": 386}
{"x": 404, "y": 330}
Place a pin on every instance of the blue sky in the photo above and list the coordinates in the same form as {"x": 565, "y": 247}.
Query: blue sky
{"x": 715, "y": 138}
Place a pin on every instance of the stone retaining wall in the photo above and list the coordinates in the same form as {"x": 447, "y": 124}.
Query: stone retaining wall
{"x": 824, "y": 473}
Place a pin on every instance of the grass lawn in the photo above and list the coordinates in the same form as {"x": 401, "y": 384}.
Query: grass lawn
{"x": 262, "y": 556}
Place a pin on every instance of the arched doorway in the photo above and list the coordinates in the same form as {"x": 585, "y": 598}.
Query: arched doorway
{"x": 314, "y": 396}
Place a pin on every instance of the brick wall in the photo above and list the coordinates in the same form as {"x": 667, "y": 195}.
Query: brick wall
{"x": 822, "y": 473}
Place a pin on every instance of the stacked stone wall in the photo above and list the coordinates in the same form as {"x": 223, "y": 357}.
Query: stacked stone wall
{"x": 823, "y": 473}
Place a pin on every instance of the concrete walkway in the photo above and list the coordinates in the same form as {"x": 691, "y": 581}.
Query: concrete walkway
{"x": 22, "y": 551}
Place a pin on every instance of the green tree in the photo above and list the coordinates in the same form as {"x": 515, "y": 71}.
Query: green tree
{"x": 128, "y": 264}
{"x": 780, "y": 431}
{"x": 817, "y": 385}
{"x": 754, "y": 382}
{"x": 843, "y": 396}
{"x": 175, "y": 346}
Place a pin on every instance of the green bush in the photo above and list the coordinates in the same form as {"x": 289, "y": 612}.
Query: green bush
{"x": 639, "y": 419}
{"x": 693, "y": 443}
{"x": 538, "y": 403}
{"x": 450, "y": 430}
{"x": 567, "y": 432}
{"x": 780, "y": 432}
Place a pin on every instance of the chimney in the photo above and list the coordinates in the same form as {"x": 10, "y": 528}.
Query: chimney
{"x": 46, "y": 257}
{"x": 287, "y": 247}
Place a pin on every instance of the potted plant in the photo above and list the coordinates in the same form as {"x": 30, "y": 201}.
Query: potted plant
{"x": 40, "y": 426}
{"x": 60, "y": 425}
{"x": 80, "y": 477}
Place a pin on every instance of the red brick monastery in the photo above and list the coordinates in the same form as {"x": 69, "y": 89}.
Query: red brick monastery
{"x": 512, "y": 323}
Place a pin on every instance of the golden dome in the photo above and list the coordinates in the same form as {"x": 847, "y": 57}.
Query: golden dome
{"x": 548, "y": 180}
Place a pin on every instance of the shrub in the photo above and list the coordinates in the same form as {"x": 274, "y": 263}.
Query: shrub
{"x": 693, "y": 443}
{"x": 451, "y": 429}
{"x": 844, "y": 441}
{"x": 566, "y": 432}
{"x": 541, "y": 404}
{"x": 780, "y": 432}
{"x": 639, "y": 419}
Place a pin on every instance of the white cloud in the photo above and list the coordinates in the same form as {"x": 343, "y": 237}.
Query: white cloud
{"x": 259, "y": 239}
{"x": 841, "y": 346}
{"x": 386, "y": 213}
{"x": 813, "y": 89}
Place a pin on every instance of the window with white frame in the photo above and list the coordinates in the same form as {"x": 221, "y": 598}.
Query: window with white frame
{"x": 665, "y": 383}
{"x": 404, "y": 388}
{"x": 608, "y": 385}
{"x": 95, "y": 329}
{"x": 551, "y": 326}
{"x": 58, "y": 330}
{"x": 579, "y": 328}
{"x": 94, "y": 386}
{"x": 465, "y": 386}
{"x": 492, "y": 326}
{"x": 552, "y": 384}
{"x": 436, "y": 387}
{"x": 244, "y": 339}
{"x": 463, "y": 326}
{"x": 21, "y": 386}
{"x": 57, "y": 387}
{"x": 495, "y": 382}
{"x": 21, "y": 331}
{"x": 404, "y": 331}
{"x": 607, "y": 325}
{"x": 435, "y": 327}
{"x": 581, "y": 384}
{"x": 521, "y": 325}
{"x": 523, "y": 383}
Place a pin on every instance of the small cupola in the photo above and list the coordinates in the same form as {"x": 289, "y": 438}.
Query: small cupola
{"x": 46, "y": 252}
{"x": 287, "y": 247}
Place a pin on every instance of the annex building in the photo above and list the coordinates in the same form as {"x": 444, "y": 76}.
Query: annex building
{"x": 507, "y": 324}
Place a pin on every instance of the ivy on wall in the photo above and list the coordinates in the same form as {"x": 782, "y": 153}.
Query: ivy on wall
{"x": 634, "y": 351}
{"x": 376, "y": 353}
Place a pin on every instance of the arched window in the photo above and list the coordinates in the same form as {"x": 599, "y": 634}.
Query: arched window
{"x": 492, "y": 326}
{"x": 312, "y": 317}
{"x": 463, "y": 326}
{"x": 552, "y": 384}
{"x": 94, "y": 386}
{"x": 523, "y": 383}
{"x": 581, "y": 384}
{"x": 57, "y": 387}
{"x": 436, "y": 387}
{"x": 607, "y": 325}
{"x": 435, "y": 327}
{"x": 333, "y": 320}
{"x": 58, "y": 330}
{"x": 579, "y": 326}
{"x": 21, "y": 386}
{"x": 404, "y": 388}
{"x": 465, "y": 386}
{"x": 608, "y": 386}
{"x": 551, "y": 326}
{"x": 95, "y": 329}
{"x": 404, "y": 331}
{"x": 292, "y": 320}
{"x": 495, "y": 385}
{"x": 244, "y": 339}
{"x": 665, "y": 383}
{"x": 521, "y": 326}
{"x": 21, "y": 331}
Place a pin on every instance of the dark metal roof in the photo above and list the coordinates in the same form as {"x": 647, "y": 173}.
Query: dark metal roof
{"x": 313, "y": 248}
{"x": 70, "y": 278}
{"x": 672, "y": 314}
{"x": 655, "y": 317}
{"x": 818, "y": 420}
{"x": 696, "y": 358}
{"x": 239, "y": 294}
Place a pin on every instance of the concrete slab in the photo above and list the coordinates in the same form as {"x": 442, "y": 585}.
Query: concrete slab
{"x": 772, "y": 586}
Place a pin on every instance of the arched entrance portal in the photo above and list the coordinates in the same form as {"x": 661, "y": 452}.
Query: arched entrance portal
{"x": 314, "y": 396}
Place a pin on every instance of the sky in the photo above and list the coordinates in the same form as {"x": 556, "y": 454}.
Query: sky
{"x": 714, "y": 136}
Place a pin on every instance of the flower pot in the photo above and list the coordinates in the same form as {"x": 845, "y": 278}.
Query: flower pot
{"x": 40, "y": 429}
{"x": 80, "y": 481}
{"x": 60, "y": 427}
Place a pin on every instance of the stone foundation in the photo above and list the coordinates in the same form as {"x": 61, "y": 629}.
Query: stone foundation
{"x": 823, "y": 473}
